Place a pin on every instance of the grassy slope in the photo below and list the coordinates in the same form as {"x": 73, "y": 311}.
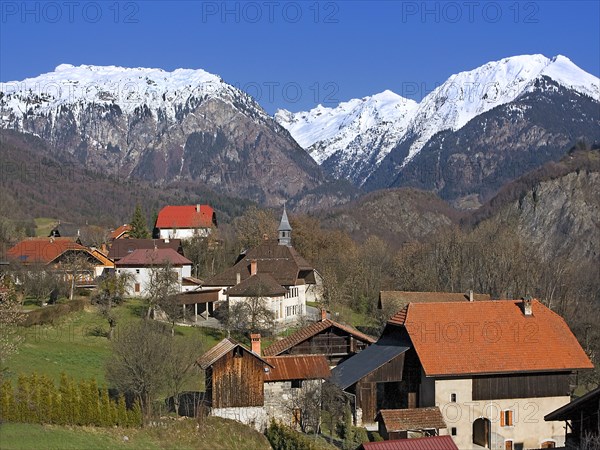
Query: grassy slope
{"x": 217, "y": 434}
{"x": 77, "y": 346}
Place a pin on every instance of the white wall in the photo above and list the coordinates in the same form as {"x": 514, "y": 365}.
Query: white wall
{"x": 141, "y": 275}
{"x": 529, "y": 426}
{"x": 183, "y": 233}
{"x": 254, "y": 416}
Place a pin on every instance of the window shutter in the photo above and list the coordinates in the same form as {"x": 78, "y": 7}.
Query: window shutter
{"x": 502, "y": 418}
{"x": 510, "y": 418}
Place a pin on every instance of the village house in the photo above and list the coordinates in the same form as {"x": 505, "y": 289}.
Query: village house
{"x": 142, "y": 262}
{"x": 121, "y": 232}
{"x": 244, "y": 386}
{"x": 54, "y": 252}
{"x": 275, "y": 272}
{"x": 488, "y": 366}
{"x": 184, "y": 222}
{"x": 325, "y": 337}
{"x": 582, "y": 420}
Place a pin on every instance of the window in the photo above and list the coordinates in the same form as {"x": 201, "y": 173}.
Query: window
{"x": 453, "y": 397}
{"x": 296, "y": 383}
{"x": 506, "y": 419}
{"x": 237, "y": 352}
{"x": 519, "y": 446}
{"x": 548, "y": 444}
{"x": 137, "y": 270}
{"x": 508, "y": 445}
{"x": 453, "y": 431}
{"x": 137, "y": 287}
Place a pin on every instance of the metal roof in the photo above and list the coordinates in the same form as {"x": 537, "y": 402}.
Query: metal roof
{"x": 425, "y": 443}
{"x": 368, "y": 360}
{"x": 571, "y": 410}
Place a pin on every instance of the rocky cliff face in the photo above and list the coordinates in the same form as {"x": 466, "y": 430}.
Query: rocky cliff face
{"x": 162, "y": 126}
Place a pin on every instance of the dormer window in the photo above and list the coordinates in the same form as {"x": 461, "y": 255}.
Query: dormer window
{"x": 453, "y": 397}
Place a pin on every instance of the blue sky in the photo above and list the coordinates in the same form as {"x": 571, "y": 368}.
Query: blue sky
{"x": 295, "y": 55}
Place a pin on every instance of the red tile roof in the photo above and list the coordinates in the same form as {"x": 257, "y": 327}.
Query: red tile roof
{"x": 187, "y": 216}
{"x": 297, "y": 367}
{"x": 311, "y": 330}
{"x": 425, "y": 443}
{"x": 461, "y": 338}
{"x": 42, "y": 250}
{"x": 150, "y": 257}
{"x": 412, "y": 419}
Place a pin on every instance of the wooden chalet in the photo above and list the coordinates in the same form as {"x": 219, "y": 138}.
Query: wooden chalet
{"x": 410, "y": 422}
{"x": 234, "y": 375}
{"x": 327, "y": 337}
{"x": 582, "y": 418}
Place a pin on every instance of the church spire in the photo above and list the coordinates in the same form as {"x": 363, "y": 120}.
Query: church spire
{"x": 285, "y": 230}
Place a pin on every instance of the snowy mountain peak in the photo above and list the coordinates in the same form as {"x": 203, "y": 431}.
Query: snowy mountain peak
{"x": 129, "y": 88}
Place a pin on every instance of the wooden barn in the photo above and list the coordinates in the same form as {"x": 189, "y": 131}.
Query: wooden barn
{"x": 234, "y": 376}
{"x": 326, "y": 337}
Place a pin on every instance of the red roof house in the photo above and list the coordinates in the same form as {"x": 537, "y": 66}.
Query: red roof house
{"x": 183, "y": 221}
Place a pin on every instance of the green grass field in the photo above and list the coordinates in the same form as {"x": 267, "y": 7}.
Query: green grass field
{"x": 78, "y": 346}
{"x": 216, "y": 434}
{"x": 43, "y": 225}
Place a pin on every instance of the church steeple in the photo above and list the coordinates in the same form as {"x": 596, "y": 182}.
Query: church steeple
{"x": 285, "y": 230}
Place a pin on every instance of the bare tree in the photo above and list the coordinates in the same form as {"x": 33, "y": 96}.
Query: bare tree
{"x": 140, "y": 353}
{"x": 11, "y": 315}
{"x": 180, "y": 366}
{"x": 163, "y": 283}
{"x": 111, "y": 291}
{"x": 76, "y": 267}
{"x": 252, "y": 314}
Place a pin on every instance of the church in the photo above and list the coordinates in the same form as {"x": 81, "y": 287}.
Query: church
{"x": 273, "y": 271}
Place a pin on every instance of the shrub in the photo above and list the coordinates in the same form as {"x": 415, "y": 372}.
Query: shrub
{"x": 49, "y": 314}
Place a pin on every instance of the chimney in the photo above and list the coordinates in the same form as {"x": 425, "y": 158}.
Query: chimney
{"x": 253, "y": 267}
{"x": 238, "y": 278}
{"x": 470, "y": 295}
{"x": 255, "y": 340}
{"x": 323, "y": 314}
{"x": 198, "y": 208}
{"x": 526, "y": 306}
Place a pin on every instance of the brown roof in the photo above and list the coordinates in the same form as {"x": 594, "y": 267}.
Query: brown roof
{"x": 220, "y": 350}
{"x": 412, "y": 419}
{"x": 150, "y": 257}
{"x": 490, "y": 337}
{"x": 297, "y": 367}
{"x": 259, "y": 285}
{"x": 283, "y": 263}
{"x": 120, "y": 248}
{"x": 311, "y": 330}
{"x": 400, "y": 299}
{"x": 43, "y": 250}
{"x": 425, "y": 443}
{"x": 120, "y": 232}
{"x": 192, "y": 297}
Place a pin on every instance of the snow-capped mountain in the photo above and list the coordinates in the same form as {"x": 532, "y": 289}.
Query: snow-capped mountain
{"x": 341, "y": 139}
{"x": 357, "y": 135}
{"x": 161, "y": 126}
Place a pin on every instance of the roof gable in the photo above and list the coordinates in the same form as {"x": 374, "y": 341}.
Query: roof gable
{"x": 259, "y": 285}
{"x": 311, "y": 330}
{"x": 487, "y": 337}
{"x": 186, "y": 216}
{"x": 220, "y": 350}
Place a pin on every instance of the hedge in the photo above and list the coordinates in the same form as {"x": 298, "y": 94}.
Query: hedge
{"x": 49, "y": 314}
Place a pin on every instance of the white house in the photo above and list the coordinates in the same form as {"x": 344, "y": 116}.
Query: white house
{"x": 140, "y": 264}
{"x": 184, "y": 222}
{"x": 274, "y": 271}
